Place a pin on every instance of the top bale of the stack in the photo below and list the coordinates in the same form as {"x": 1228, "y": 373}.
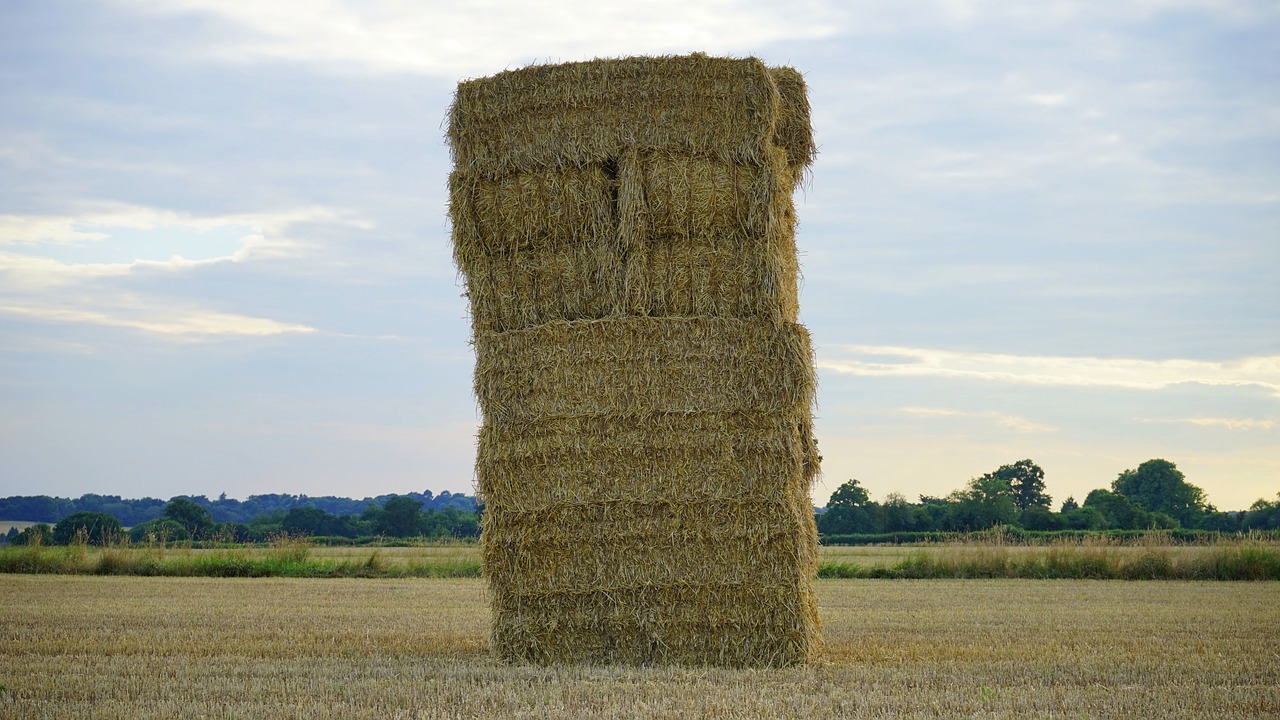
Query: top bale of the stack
{"x": 545, "y": 117}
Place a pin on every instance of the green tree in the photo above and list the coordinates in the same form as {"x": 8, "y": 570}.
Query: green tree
{"x": 1069, "y": 504}
{"x": 897, "y": 513}
{"x": 1040, "y": 518}
{"x": 1084, "y": 518}
{"x": 1026, "y": 480}
{"x": 1158, "y": 486}
{"x": 1117, "y": 511}
{"x": 307, "y": 521}
{"x": 986, "y": 502}
{"x": 38, "y": 534}
{"x": 401, "y": 517}
{"x": 849, "y": 510}
{"x": 96, "y": 528}
{"x": 849, "y": 494}
{"x": 196, "y": 520}
{"x": 161, "y": 530}
{"x": 1263, "y": 515}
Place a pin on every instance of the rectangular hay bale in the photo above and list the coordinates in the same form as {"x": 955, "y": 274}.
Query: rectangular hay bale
{"x": 597, "y": 459}
{"x": 744, "y": 624}
{"x": 639, "y": 366}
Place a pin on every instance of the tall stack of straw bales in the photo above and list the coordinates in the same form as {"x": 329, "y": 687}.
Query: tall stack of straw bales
{"x": 626, "y": 232}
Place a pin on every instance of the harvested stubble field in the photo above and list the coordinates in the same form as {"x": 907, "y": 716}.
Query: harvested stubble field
{"x": 108, "y": 647}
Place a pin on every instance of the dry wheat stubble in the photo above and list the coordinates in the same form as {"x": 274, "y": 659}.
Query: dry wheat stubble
{"x": 166, "y": 647}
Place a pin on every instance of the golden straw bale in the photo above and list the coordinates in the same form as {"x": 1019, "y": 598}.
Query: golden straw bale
{"x": 660, "y": 234}
{"x": 639, "y": 366}
{"x": 529, "y": 289}
{"x": 703, "y": 541}
{"x": 705, "y": 237}
{"x": 793, "y": 130}
{"x": 747, "y": 624}
{"x": 530, "y": 211}
{"x": 551, "y": 116}
{"x": 730, "y": 455}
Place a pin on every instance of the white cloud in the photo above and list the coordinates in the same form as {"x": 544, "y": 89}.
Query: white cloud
{"x": 266, "y": 235}
{"x": 459, "y": 39}
{"x": 1048, "y": 99}
{"x": 188, "y": 324}
{"x": 1012, "y": 422}
{"x": 55, "y": 289}
{"x": 1140, "y": 374}
{"x": 101, "y": 217}
{"x": 1245, "y": 424}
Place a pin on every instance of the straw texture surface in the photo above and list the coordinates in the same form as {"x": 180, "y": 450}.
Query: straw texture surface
{"x": 626, "y": 233}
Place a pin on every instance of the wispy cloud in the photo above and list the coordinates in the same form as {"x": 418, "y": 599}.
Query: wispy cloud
{"x": 95, "y": 222}
{"x": 69, "y": 289}
{"x": 160, "y": 240}
{"x": 190, "y": 324}
{"x": 402, "y": 36}
{"x": 1227, "y": 423}
{"x": 1012, "y": 422}
{"x": 1141, "y": 374}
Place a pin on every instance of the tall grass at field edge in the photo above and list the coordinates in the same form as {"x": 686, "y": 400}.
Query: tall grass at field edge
{"x": 1100, "y": 560}
{"x": 290, "y": 559}
{"x": 1224, "y": 561}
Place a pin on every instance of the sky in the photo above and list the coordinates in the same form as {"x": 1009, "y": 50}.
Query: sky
{"x": 1033, "y": 230}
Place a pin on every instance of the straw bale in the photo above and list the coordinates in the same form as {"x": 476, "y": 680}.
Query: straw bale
{"x": 656, "y": 234}
{"x": 530, "y": 211}
{"x": 530, "y": 465}
{"x": 793, "y": 130}
{"x": 706, "y": 237}
{"x": 639, "y": 366}
{"x": 566, "y": 547}
{"x": 528, "y": 289}
{"x": 551, "y": 116}
{"x": 749, "y": 624}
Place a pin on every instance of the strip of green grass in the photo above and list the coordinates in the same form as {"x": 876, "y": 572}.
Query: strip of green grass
{"x": 1225, "y": 561}
{"x": 1219, "y": 562}
{"x": 292, "y": 561}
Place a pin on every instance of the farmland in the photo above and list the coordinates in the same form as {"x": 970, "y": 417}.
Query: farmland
{"x": 98, "y": 647}
{"x": 1155, "y": 556}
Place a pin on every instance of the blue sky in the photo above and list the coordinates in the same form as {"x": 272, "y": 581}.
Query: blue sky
{"x": 1046, "y": 231}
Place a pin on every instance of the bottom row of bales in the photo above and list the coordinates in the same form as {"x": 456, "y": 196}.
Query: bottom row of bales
{"x": 719, "y": 581}
{"x": 646, "y": 486}
{"x": 728, "y": 625}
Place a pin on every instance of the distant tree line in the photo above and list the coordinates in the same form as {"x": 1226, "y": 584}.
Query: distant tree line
{"x": 197, "y": 519}
{"x": 42, "y": 508}
{"x": 1156, "y": 495}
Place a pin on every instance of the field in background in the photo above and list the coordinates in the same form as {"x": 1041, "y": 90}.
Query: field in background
{"x": 1252, "y": 557}
{"x": 108, "y": 647}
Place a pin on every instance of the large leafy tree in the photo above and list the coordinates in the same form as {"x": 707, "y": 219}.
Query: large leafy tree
{"x": 897, "y": 512}
{"x": 194, "y": 519}
{"x": 400, "y": 517}
{"x": 986, "y": 502}
{"x": 94, "y": 528}
{"x": 1116, "y": 510}
{"x": 849, "y": 510}
{"x": 308, "y": 521}
{"x": 1026, "y": 480}
{"x": 1264, "y": 515}
{"x": 1158, "y": 486}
